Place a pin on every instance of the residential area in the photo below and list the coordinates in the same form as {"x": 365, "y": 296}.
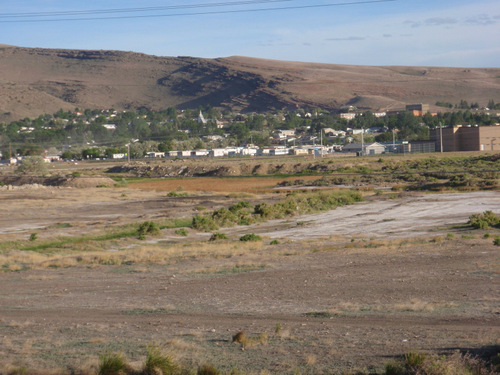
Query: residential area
{"x": 209, "y": 133}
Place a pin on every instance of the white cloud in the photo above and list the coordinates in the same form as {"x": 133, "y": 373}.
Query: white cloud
{"x": 461, "y": 38}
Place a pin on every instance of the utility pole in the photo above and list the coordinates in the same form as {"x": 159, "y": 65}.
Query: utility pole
{"x": 362, "y": 141}
{"x": 393, "y": 141}
{"x": 321, "y": 141}
{"x": 441, "y": 136}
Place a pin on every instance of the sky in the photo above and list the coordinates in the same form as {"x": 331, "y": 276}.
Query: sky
{"x": 453, "y": 33}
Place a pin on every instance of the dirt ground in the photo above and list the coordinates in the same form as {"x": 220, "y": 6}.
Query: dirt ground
{"x": 344, "y": 290}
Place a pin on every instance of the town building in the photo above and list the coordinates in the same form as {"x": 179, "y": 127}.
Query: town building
{"x": 466, "y": 138}
{"x": 374, "y": 148}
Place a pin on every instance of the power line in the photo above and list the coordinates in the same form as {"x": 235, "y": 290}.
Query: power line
{"x": 134, "y": 10}
{"x": 295, "y": 7}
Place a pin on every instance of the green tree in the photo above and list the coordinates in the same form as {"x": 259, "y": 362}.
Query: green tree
{"x": 140, "y": 128}
{"x": 67, "y": 155}
{"x": 6, "y": 155}
{"x": 91, "y": 153}
{"x": 32, "y": 165}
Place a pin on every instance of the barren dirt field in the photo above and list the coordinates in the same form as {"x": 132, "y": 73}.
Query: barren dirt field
{"x": 344, "y": 290}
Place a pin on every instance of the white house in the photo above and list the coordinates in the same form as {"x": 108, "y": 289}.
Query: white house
{"x": 300, "y": 151}
{"x": 279, "y": 151}
{"x": 249, "y": 151}
{"x": 199, "y": 153}
{"x": 348, "y": 116}
{"x": 216, "y": 152}
{"x": 283, "y": 134}
{"x": 156, "y": 154}
{"x": 374, "y": 148}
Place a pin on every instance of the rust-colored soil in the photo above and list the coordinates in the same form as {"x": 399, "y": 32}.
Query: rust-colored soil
{"x": 216, "y": 184}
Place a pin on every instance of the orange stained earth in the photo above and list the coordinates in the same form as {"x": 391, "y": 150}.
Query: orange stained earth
{"x": 217, "y": 184}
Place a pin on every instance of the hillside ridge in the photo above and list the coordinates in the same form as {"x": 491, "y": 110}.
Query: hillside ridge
{"x": 34, "y": 81}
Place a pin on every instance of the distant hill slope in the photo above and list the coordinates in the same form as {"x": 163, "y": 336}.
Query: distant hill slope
{"x": 34, "y": 81}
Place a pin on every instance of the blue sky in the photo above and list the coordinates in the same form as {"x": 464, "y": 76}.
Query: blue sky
{"x": 398, "y": 32}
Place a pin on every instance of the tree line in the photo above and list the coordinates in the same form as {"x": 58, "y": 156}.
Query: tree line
{"x": 82, "y": 134}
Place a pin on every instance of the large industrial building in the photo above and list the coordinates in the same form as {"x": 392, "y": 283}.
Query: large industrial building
{"x": 466, "y": 138}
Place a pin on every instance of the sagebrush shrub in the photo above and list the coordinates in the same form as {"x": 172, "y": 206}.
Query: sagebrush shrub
{"x": 148, "y": 227}
{"x": 250, "y": 237}
{"x": 218, "y": 236}
{"x": 485, "y": 220}
{"x": 205, "y": 223}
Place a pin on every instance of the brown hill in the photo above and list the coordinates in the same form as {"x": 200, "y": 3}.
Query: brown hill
{"x": 34, "y": 81}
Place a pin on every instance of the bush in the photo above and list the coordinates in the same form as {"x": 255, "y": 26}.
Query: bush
{"x": 208, "y": 370}
{"x": 250, "y": 237}
{"x": 174, "y": 194}
{"x": 112, "y": 364}
{"x": 32, "y": 165}
{"x": 224, "y": 218}
{"x": 485, "y": 220}
{"x": 159, "y": 363}
{"x": 148, "y": 227}
{"x": 239, "y": 206}
{"x": 205, "y": 223}
{"x": 496, "y": 241}
{"x": 294, "y": 204}
{"x": 182, "y": 232}
{"x": 218, "y": 236}
{"x": 431, "y": 364}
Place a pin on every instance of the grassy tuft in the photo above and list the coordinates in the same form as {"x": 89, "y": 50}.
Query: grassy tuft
{"x": 414, "y": 363}
{"x": 496, "y": 241}
{"x": 112, "y": 364}
{"x": 250, "y": 237}
{"x": 182, "y": 232}
{"x": 208, "y": 370}
{"x": 218, "y": 236}
{"x": 148, "y": 227}
{"x": 159, "y": 363}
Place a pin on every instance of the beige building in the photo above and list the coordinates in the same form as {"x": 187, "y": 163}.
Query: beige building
{"x": 467, "y": 138}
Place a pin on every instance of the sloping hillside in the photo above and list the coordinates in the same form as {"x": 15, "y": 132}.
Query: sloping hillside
{"x": 34, "y": 81}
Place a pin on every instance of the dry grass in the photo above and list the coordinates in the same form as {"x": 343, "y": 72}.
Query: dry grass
{"x": 414, "y": 305}
{"x": 136, "y": 254}
{"x": 251, "y": 255}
